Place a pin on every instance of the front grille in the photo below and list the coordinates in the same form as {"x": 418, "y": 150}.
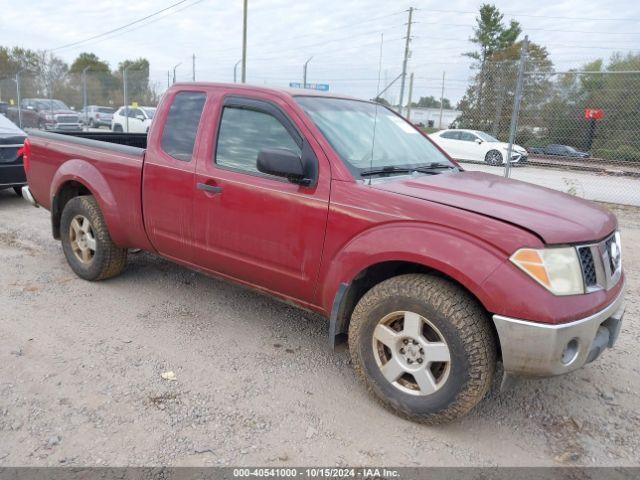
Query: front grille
{"x": 588, "y": 267}
{"x": 601, "y": 263}
{"x": 66, "y": 119}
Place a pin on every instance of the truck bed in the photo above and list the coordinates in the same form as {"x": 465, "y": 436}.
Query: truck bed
{"x": 106, "y": 164}
{"x": 138, "y": 140}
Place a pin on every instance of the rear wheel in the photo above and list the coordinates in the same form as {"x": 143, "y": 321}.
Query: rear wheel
{"x": 423, "y": 346}
{"x": 18, "y": 191}
{"x": 493, "y": 157}
{"x": 86, "y": 242}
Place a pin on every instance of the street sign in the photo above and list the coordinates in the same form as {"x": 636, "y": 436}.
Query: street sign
{"x": 323, "y": 87}
{"x": 593, "y": 113}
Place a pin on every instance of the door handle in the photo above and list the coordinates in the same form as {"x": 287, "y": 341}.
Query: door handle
{"x": 209, "y": 188}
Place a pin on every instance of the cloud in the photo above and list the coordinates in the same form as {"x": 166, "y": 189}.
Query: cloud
{"x": 343, "y": 37}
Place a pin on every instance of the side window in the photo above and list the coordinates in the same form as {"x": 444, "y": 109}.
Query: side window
{"x": 179, "y": 132}
{"x": 467, "y": 137}
{"x": 243, "y": 133}
{"x": 134, "y": 112}
{"x": 452, "y": 135}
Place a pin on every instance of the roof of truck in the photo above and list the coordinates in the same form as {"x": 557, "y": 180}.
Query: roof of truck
{"x": 292, "y": 92}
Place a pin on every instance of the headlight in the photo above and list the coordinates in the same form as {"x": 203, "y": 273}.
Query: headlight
{"x": 556, "y": 269}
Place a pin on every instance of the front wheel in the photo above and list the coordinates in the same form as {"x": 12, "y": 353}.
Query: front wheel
{"x": 18, "y": 191}
{"x": 493, "y": 157}
{"x": 423, "y": 346}
{"x": 117, "y": 128}
{"x": 86, "y": 242}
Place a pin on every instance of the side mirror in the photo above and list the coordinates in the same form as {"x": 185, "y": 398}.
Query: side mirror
{"x": 282, "y": 162}
{"x": 140, "y": 117}
{"x": 479, "y": 141}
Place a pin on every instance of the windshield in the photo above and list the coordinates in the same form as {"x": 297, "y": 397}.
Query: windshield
{"x": 486, "y": 137}
{"x": 569, "y": 149}
{"x": 348, "y": 126}
{"x": 149, "y": 111}
{"x": 50, "y": 105}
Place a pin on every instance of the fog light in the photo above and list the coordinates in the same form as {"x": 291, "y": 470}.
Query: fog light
{"x": 570, "y": 352}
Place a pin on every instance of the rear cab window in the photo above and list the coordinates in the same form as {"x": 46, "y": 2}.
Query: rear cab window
{"x": 181, "y": 126}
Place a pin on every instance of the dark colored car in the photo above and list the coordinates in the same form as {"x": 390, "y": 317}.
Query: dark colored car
{"x": 559, "y": 150}
{"x": 11, "y": 143}
{"x": 45, "y": 114}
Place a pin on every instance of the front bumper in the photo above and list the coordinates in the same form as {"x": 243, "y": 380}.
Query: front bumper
{"x": 537, "y": 349}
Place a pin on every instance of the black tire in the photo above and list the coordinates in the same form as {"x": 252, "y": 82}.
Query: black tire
{"x": 117, "y": 128}
{"x": 108, "y": 260}
{"x": 18, "y": 191}
{"x": 91, "y": 123}
{"x": 493, "y": 157}
{"x": 464, "y": 327}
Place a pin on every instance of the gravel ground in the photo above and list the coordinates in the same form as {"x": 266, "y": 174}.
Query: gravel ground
{"x": 81, "y": 382}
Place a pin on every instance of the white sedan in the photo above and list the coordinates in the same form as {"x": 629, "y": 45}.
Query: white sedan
{"x": 477, "y": 146}
{"x": 139, "y": 119}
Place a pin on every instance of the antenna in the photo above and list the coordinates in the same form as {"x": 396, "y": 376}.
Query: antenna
{"x": 375, "y": 115}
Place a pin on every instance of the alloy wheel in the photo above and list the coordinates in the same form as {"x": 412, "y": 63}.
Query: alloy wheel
{"x": 411, "y": 353}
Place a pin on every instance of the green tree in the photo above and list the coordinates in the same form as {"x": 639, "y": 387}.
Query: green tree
{"x": 431, "y": 102}
{"x": 101, "y": 83}
{"x": 491, "y": 34}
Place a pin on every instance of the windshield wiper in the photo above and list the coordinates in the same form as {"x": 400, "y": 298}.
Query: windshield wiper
{"x": 429, "y": 168}
{"x": 386, "y": 169}
{"x": 434, "y": 166}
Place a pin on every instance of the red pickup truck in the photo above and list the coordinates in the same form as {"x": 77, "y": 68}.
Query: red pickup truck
{"x": 433, "y": 274}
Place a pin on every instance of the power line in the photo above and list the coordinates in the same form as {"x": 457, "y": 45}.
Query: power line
{"x": 73, "y": 44}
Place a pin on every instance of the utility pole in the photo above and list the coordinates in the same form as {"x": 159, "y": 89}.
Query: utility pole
{"x": 244, "y": 42}
{"x": 441, "y": 101}
{"x": 126, "y": 101}
{"x": 84, "y": 92}
{"x": 193, "y": 67}
{"x": 174, "y": 71}
{"x": 406, "y": 56}
{"x": 516, "y": 106}
{"x": 168, "y": 78}
{"x": 18, "y": 95}
{"x": 304, "y": 72}
{"x": 235, "y": 71}
{"x": 410, "y": 95}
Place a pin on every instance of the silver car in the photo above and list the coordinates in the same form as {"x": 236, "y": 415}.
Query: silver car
{"x": 95, "y": 116}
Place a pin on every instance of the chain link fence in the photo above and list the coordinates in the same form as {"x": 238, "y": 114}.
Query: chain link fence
{"x": 86, "y": 99}
{"x": 575, "y": 131}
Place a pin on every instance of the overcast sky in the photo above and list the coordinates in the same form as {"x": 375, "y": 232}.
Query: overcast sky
{"x": 342, "y": 36}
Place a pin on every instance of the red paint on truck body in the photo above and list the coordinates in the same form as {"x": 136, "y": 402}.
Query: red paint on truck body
{"x": 300, "y": 243}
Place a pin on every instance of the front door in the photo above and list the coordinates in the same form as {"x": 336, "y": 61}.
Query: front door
{"x": 258, "y": 228}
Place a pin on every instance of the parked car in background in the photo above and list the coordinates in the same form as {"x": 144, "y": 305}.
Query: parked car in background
{"x": 139, "y": 119}
{"x": 432, "y": 272}
{"x": 96, "y": 116}
{"x": 11, "y": 148}
{"x": 478, "y": 146}
{"x": 45, "y": 114}
{"x": 560, "y": 150}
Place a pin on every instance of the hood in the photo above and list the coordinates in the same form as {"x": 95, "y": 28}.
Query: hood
{"x": 554, "y": 216}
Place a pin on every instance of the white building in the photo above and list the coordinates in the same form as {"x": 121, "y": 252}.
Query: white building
{"x": 430, "y": 117}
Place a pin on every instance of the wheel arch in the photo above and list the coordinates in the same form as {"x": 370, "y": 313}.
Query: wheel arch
{"x": 75, "y": 178}
{"x": 355, "y": 270}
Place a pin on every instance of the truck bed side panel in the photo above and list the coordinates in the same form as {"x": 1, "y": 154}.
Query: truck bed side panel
{"x": 112, "y": 173}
